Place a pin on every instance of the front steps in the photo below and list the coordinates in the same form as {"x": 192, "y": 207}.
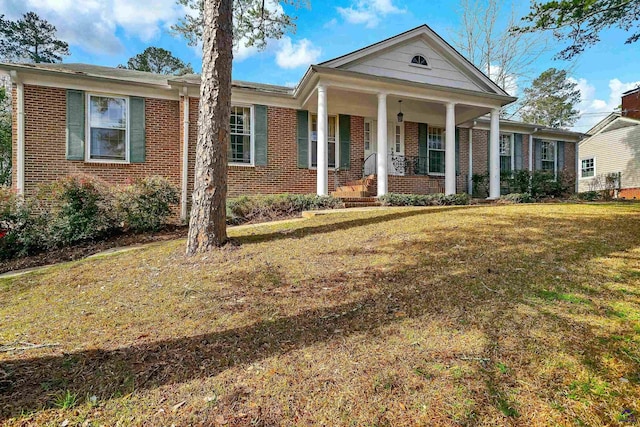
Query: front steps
{"x": 357, "y": 194}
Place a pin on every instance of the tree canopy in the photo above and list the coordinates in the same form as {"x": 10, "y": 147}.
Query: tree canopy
{"x": 254, "y": 21}
{"x": 158, "y": 60}
{"x": 580, "y": 21}
{"x": 30, "y": 39}
{"x": 551, "y": 99}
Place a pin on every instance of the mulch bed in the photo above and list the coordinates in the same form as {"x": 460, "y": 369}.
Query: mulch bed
{"x": 86, "y": 249}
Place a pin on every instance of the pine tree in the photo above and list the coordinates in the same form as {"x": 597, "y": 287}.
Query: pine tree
{"x": 551, "y": 99}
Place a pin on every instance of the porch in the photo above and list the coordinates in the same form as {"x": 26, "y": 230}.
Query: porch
{"x": 415, "y": 125}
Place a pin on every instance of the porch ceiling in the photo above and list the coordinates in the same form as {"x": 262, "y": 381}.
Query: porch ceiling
{"x": 342, "y": 101}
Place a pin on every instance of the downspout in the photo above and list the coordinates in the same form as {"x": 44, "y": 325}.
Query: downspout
{"x": 470, "y": 178}
{"x": 20, "y": 155}
{"x": 185, "y": 154}
{"x": 577, "y": 166}
{"x": 531, "y": 150}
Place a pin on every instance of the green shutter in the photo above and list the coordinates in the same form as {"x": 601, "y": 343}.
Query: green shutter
{"x": 560, "y": 146}
{"x": 457, "y": 151}
{"x": 260, "y": 137}
{"x": 136, "y": 130}
{"x": 537, "y": 151}
{"x": 75, "y": 124}
{"x": 344, "y": 125}
{"x": 422, "y": 148}
{"x": 303, "y": 138}
{"x": 517, "y": 150}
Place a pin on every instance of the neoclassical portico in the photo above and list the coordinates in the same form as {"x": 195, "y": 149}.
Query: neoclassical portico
{"x": 428, "y": 109}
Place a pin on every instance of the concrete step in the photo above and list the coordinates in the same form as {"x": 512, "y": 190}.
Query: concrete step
{"x": 361, "y": 204}
{"x": 352, "y": 188}
{"x": 359, "y": 199}
{"x": 350, "y": 194}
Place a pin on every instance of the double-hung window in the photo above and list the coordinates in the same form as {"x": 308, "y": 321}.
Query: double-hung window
{"x": 107, "y": 129}
{"x": 436, "y": 145}
{"x": 588, "y": 167}
{"x": 367, "y": 135}
{"x": 548, "y": 155}
{"x": 332, "y": 139}
{"x": 240, "y": 142}
{"x": 506, "y": 152}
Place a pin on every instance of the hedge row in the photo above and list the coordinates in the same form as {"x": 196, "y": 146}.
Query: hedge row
{"x": 79, "y": 208}
{"x": 268, "y": 208}
{"x": 439, "y": 199}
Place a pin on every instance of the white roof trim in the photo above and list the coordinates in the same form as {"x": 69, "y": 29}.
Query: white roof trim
{"x": 424, "y": 31}
{"x": 602, "y": 127}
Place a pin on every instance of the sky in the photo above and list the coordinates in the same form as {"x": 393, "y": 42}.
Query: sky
{"x": 109, "y": 32}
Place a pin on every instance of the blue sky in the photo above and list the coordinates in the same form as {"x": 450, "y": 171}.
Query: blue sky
{"x": 108, "y": 32}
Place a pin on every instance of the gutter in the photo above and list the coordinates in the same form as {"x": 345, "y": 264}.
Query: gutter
{"x": 185, "y": 154}
{"x": 20, "y": 155}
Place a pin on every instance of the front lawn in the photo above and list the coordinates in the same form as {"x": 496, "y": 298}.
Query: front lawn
{"x": 497, "y": 315}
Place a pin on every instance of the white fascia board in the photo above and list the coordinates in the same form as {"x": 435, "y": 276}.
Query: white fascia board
{"x": 94, "y": 84}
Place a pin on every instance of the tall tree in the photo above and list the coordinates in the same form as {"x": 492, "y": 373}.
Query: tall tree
{"x": 580, "y": 21}
{"x": 30, "y": 39}
{"x": 158, "y": 60}
{"x": 485, "y": 40}
{"x": 220, "y": 24}
{"x": 551, "y": 100}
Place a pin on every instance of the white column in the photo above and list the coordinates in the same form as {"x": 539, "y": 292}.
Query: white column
{"x": 450, "y": 150}
{"x": 470, "y": 177}
{"x": 185, "y": 155}
{"x": 531, "y": 153}
{"x": 578, "y": 166}
{"x": 382, "y": 144}
{"x": 494, "y": 155}
{"x": 323, "y": 145}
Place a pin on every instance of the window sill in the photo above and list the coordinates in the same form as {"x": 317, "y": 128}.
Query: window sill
{"x": 108, "y": 162}
{"x": 424, "y": 67}
{"x": 586, "y": 177}
{"x": 241, "y": 165}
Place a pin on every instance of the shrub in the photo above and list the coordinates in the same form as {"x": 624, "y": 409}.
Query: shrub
{"x": 539, "y": 184}
{"x": 22, "y": 229}
{"x": 439, "y": 199}
{"x": 82, "y": 209}
{"x": 480, "y": 184}
{"x": 517, "y": 198}
{"x": 259, "y": 208}
{"x": 145, "y": 204}
{"x": 590, "y": 196}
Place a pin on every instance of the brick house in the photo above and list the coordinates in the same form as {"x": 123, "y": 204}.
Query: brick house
{"x": 410, "y": 110}
{"x": 610, "y": 156}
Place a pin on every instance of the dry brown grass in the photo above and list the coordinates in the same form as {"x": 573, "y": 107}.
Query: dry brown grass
{"x": 510, "y": 315}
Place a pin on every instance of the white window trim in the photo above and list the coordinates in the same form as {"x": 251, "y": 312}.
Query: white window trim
{"x": 369, "y": 122}
{"x": 444, "y": 150}
{"x": 252, "y": 137}
{"x": 594, "y": 167}
{"x": 87, "y": 129}
{"x": 424, "y": 67}
{"x": 337, "y": 116}
{"x": 555, "y": 156}
{"x": 512, "y": 147}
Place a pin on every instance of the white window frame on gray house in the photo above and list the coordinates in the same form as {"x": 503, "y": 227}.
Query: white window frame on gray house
{"x": 422, "y": 61}
{"x": 244, "y": 134}
{"x": 592, "y": 159}
{"x": 90, "y": 124}
{"x": 507, "y": 150}
{"x": 313, "y": 138}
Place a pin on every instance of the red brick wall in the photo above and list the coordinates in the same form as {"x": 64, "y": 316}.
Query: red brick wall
{"x": 631, "y": 105}
{"x": 45, "y": 142}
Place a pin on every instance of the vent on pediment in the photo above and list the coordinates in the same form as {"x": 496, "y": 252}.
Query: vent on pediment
{"x": 420, "y": 61}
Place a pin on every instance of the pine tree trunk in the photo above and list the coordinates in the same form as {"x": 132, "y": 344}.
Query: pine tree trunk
{"x": 207, "y": 223}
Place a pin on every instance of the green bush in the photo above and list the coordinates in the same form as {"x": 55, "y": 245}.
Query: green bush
{"x": 22, "y": 229}
{"x": 146, "y": 204}
{"x": 394, "y": 199}
{"x": 590, "y": 196}
{"x": 480, "y": 184}
{"x": 263, "y": 208}
{"x": 539, "y": 184}
{"x": 517, "y": 198}
{"x": 81, "y": 209}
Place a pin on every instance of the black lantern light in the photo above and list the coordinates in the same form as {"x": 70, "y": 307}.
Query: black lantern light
{"x": 400, "y": 115}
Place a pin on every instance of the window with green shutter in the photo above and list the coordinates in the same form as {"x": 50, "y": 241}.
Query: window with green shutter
{"x": 75, "y": 124}
{"x": 108, "y": 123}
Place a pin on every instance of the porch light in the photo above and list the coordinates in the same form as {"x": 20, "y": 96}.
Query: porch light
{"x": 400, "y": 115}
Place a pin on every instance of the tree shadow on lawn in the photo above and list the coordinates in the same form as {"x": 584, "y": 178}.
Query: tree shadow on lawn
{"x": 303, "y": 231}
{"x": 412, "y": 289}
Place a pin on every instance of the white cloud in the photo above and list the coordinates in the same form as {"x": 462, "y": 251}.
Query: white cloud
{"x": 92, "y": 24}
{"x": 294, "y": 55}
{"x": 509, "y": 82}
{"x": 593, "y": 109}
{"x": 368, "y": 12}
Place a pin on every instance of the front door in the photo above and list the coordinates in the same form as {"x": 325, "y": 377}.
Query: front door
{"x": 395, "y": 140}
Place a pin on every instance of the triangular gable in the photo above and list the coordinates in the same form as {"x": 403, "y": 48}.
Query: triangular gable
{"x": 392, "y": 58}
{"x": 613, "y": 122}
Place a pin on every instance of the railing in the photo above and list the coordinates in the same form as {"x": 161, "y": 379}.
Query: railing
{"x": 397, "y": 165}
